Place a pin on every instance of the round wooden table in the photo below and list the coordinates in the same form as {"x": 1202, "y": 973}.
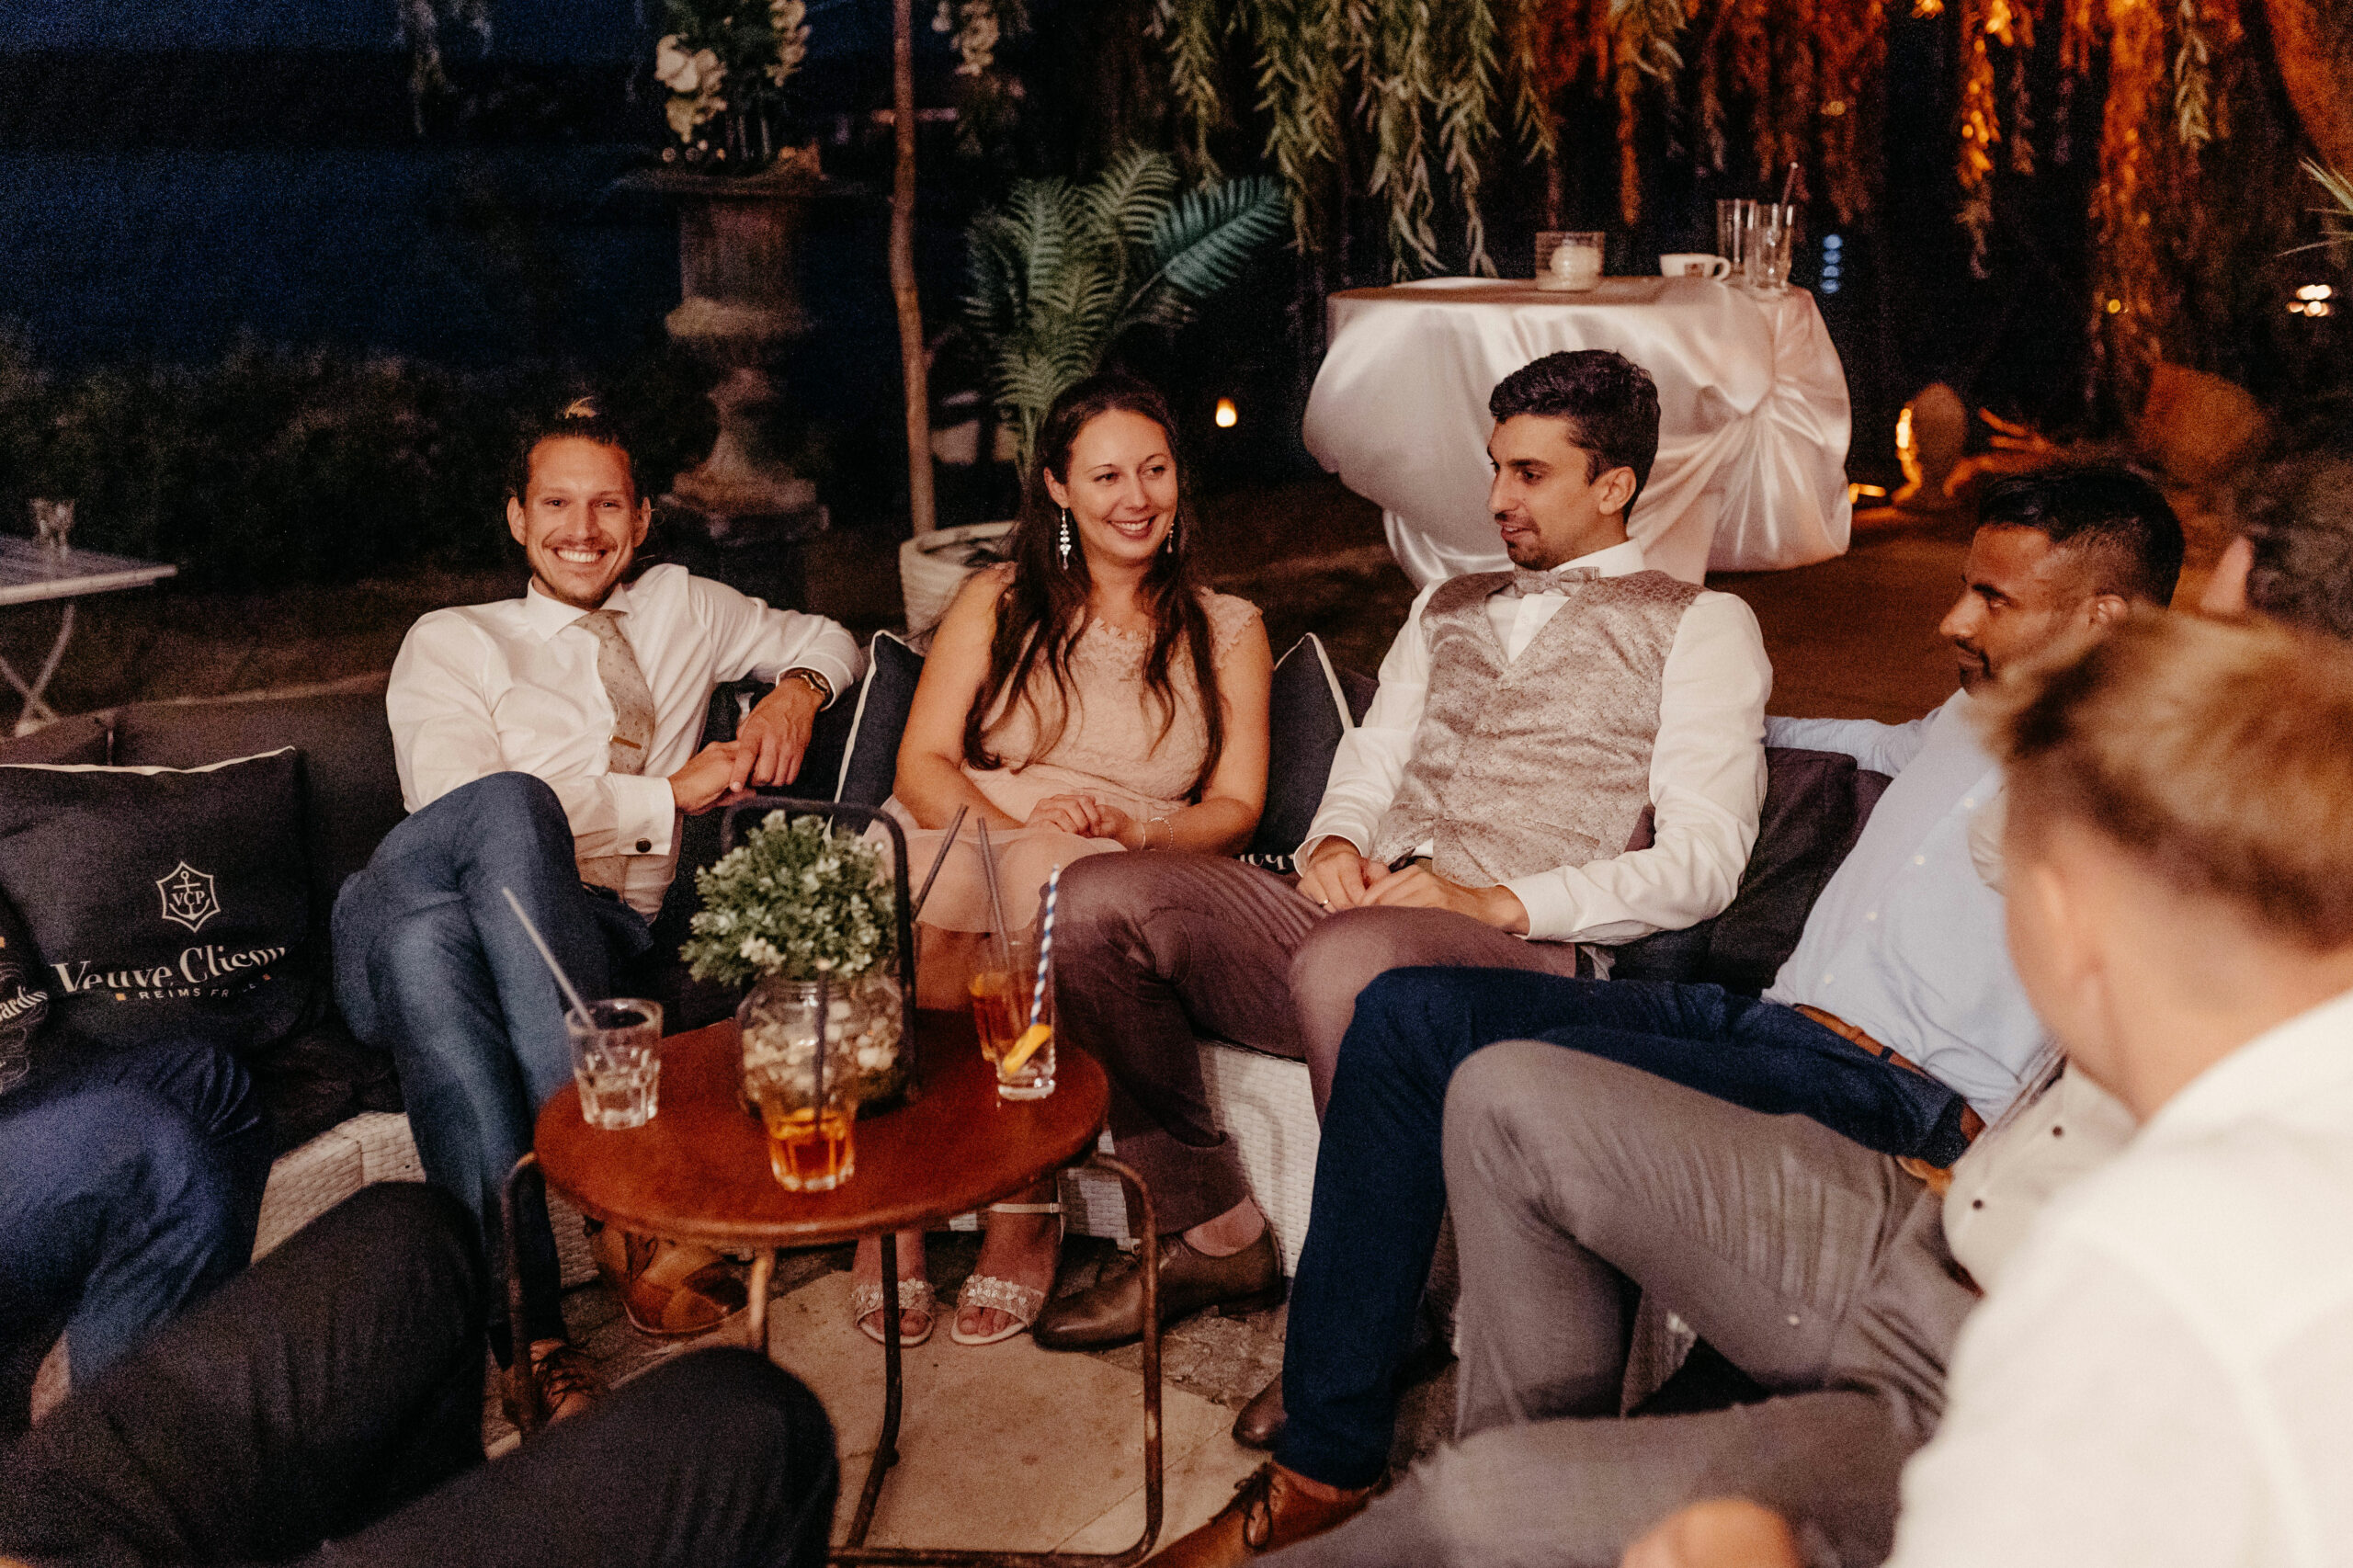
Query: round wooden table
{"x": 698, "y": 1172}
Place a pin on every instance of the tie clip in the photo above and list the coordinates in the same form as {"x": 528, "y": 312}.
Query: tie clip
{"x": 624, "y": 741}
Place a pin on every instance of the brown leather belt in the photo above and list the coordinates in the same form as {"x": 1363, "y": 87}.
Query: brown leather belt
{"x": 1938, "y": 1177}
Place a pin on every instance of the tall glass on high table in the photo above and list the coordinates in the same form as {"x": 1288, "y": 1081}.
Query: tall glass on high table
{"x": 806, "y": 1097}
{"x": 1012, "y": 1012}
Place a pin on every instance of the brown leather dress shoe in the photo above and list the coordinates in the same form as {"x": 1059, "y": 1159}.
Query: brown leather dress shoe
{"x": 1269, "y": 1511}
{"x": 668, "y": 1290}
{"x": 1261, "y": 1421}
{"x": 1110, "y": 1312}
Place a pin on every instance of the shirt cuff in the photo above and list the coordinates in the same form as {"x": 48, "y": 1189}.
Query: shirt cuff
{"x": 832, "y": 689}
{"x": 1552, "y": 912}
{"x": 644, "y": 814}
{"x": 840, "y": 673}
{"x": 1321, "y": 830}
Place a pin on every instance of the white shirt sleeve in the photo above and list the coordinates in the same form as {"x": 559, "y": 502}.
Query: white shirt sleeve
{"x": 750, "y": 637}
{"x": 1371, "y": 759}
{"x": 1883, "y": 748}
{"x": 1707, "y": 785}
{"x": 2088, "y": 1428}
{"x": 445, "y": 736}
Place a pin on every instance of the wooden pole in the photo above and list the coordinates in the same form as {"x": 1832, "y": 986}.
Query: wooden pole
{"x": 902, "y": 268}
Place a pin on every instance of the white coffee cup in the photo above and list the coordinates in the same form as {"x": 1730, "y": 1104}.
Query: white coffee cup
{"x": 1693, "y": 264}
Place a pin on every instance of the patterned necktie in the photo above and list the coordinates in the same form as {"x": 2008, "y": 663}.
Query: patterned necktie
{"x": 625, "y": 687}
{"x": 632, "y": 701}
{"x": 1527, "y": 580}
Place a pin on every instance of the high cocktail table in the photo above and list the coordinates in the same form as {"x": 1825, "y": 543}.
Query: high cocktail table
{"x": 698, "y": 1172}
{"x": 31, "y": 574}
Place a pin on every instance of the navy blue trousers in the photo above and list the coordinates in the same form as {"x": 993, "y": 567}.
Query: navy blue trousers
{"x": 431, "y": 964}
{"x": 130, "y": 1182}
{"x": 1381, "y": 1189}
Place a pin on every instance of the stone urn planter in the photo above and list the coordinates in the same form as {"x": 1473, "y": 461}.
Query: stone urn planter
{"x": 740, "y": 311}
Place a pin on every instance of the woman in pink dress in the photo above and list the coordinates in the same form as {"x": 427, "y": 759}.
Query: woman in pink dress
{"x": 1087, "y": 697}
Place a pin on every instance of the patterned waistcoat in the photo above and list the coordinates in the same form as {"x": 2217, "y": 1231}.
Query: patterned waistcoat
{"x": 1526, "y": 763}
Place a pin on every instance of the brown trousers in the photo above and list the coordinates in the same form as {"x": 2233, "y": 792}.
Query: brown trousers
{"x": 1155, "y": 951}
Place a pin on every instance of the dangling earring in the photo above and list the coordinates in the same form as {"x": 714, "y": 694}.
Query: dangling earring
{"x": 1169, "y": 544}
{"x": 1062, "y": 539}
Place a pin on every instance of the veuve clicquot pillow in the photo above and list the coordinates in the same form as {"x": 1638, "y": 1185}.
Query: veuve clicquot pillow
{"x": 163, "y": 901}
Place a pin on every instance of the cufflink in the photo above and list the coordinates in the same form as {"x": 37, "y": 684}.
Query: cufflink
{"x": 646, "y": 847}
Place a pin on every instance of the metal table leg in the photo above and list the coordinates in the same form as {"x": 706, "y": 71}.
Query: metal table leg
{"x": 36, "y": 710}
{"x": 521, "y": 1379}
{"x": 854, "y": 1549}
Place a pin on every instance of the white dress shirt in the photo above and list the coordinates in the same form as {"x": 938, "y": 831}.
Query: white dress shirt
{"x": 512, "y": 687}
{"x": 1707, "y": 778}
{"x": 2164, "y": 1374}
{"x": 1906, "y": 941}
{"x": 2007, "y": 1176}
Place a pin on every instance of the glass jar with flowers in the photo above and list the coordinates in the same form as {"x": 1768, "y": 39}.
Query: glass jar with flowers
{"x": 796, "y": 904}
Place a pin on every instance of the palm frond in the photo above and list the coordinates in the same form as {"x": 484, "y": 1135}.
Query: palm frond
{"x": 1208, "y": 237}
{"x": 1130, "y": 196}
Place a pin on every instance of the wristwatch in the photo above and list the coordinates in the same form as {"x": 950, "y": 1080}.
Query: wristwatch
{"x": 815, "y": 682}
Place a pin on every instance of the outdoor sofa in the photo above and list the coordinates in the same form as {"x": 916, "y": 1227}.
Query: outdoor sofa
{"x": 335, "y": 1102}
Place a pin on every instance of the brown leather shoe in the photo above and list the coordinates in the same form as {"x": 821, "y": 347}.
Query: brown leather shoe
{"x": 1270, "y": 1512}
{"x": 1110, "y": 1312}
{"x": 668, "y": 1290}
{"x": 1261, "y": 1421}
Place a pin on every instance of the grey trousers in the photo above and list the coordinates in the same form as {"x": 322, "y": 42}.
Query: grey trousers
{"x": 1154, "y": 950}
{"x": 1816, "y": 1266}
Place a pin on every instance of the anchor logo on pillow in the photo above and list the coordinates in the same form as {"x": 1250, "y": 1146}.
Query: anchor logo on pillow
{"x": 188, "y": 896}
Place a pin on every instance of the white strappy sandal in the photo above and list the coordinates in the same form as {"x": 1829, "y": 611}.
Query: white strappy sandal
{"x": 987, "y": 1292}
{"x": 915, "y": 1296}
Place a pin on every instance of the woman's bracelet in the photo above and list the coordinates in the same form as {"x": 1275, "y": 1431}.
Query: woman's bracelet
{"x": 1147, "y": 830}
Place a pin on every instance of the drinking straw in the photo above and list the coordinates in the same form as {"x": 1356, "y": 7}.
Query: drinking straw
{"x": 996, "y": 900}
{"x": 1045, "y": 947}
{"x": 1789, "y": 182}
{"x": 578, "y": 1007}
{"x": 915, "y": 913}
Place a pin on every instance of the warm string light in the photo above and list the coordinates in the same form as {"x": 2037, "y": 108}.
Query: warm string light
{"x": 2312, "y": 300}
{"x": 1228, "y": 417}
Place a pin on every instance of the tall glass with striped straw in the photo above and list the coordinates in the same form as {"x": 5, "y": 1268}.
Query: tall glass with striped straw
{"x": 1025, "y": 1066}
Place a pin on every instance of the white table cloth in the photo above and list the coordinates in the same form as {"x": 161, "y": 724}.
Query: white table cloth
{"x": 1752, "y": 411}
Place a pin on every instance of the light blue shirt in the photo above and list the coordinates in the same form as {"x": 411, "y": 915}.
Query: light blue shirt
{"x": 1907, "y": 942}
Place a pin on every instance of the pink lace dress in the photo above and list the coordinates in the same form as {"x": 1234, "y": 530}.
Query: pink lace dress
{"x": 1112, "y": 747}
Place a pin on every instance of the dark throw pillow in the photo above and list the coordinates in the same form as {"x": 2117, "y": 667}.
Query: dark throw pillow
{"x": 885, "y": 697}
{"x": 165, "y": 903}
{"x": 1815, "y": 805}
{"x": 1308, "y": 710}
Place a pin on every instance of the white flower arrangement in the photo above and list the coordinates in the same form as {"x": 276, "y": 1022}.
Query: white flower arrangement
{"x": 694, "y": 81}
{"x": 795, "y": 900}
{"x": 729, "y": 60}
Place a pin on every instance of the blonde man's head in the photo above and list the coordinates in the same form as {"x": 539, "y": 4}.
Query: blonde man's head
{"x": 2220, "y": 757}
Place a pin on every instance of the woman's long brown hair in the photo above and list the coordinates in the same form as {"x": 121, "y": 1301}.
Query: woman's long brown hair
{"x": 1044, "y": 609}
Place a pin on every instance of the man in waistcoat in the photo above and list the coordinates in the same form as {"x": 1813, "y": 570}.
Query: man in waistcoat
{"x": 1752, "y": 1160}
{"x": 1562, "y": 756}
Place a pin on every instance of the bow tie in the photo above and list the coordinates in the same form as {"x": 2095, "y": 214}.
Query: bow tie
{"x": 1526, "y": 580}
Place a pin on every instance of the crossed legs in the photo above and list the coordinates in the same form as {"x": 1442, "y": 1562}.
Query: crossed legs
{"x": 432, "y": 965}
{"x": 1814, "y": 1265}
